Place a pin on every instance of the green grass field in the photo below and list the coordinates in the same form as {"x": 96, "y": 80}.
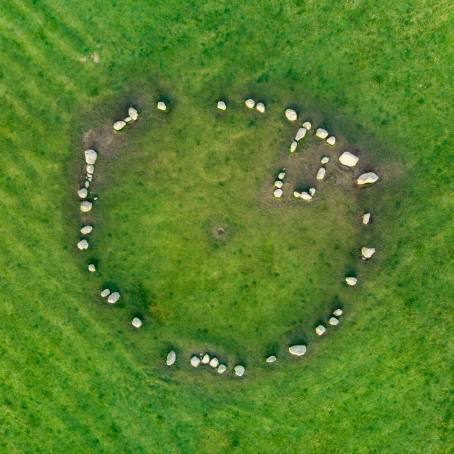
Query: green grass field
{"x": 74, "y": 375}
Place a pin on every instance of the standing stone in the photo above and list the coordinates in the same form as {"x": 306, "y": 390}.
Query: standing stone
{"x": 367, "y": 252}
{"x": 171, "y": 358}
{"x": 291, "y": 115}
{"x": 162, "y": 106}
{"x": 331, "y": 140}
{"x": 221, "y": 105}
{"x": 133, "y": 114}
{"x": 250, "y": 103}
{"x": 239, "y": 370}
{"x": 206, "y": 358}
{"x": 90, "y": 156}
{"x": 352, "y": 281}
{"x": 260, "y": 107}
{"x": 297, "y": 350}
{"x": 113, "y": 298}
{"x": 348, "y": 159}
{"x": 312, "y": 191}
{"x": 82, "y": 193}
{"x": 367, "y": 178}
{"x": 293, "y": 146}
{"x": 90, "y": 169}
{"x": 281, "y": 175}
{"x": 333, "y": 321}
{"x": 214, "y": 362}
{"x": 82, "y": 245}
{"x": 320, "y": 330}
{"x": 307, "y": 125}
{"x": 300, "y": 134}
{"x": 195, "y": 361}
{"x": 271, "y": 359}
{"x": 366, "y": 218}
{"x": 321, "y": 173}
{"x": 278, "y": 184}
{"x": 321, "y": 133}
{"x": 136, "y": 322}
{"x": 222, "y": 368}
{"x": 91, "y": 268}
{"x": 119, "y": 125}
{"x": 338, "y": 312}
{"x": 87, "y": 184}
{"x": 86, "y": 229}
{"x": 105, "y": 293}
{"x": 324, "y": 160}
{"x": 278, "y": 193}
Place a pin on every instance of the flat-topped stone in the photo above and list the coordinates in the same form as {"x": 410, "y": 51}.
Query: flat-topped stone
{"x": 291, "y": 114}
{"x": 350, "y": 280}
{"x": 161, "y": 105}
{"x": 320, "y": 330}
{"x": 321, "y": 133}
{"x": 321, "y": 173}
{"x": 239, "y": 370}
{"x": 136, "y": 322}
{"x": 367, "y": 178}
{"x": 300, "y": 134}
{"x": 260, "y": 107}
{"x": 90, "y": 156}
{"x": 367, "y": 252}
{"x": 221, "y": 105}
{"x": 119, "y": 125}
{"x": 82, "y": 245}
{"x": 171, "y": 358}
{"x": 348, "y": 159}
{"x": 297, "y": 349}
{"x": 113, "y": 297}
{"x": 195, "y": 361}
{"x": 249, "y": 103}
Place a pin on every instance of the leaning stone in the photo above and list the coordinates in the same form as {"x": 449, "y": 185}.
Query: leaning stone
{"x": 348, "y": 159}
{"x": 214, "y": 362}
{"x": 113, "y": 298}
{"x": 338, "y": 312}
{"x": 260, "y": 107}
{"x": 271, "y": 359}
{"x": 250, "y": 103}
{"x": 82, "y": 193}
{"x": 331, "y": 140}
{"x": 127, "y": 119}
{"x": 221, "y": 368}
{"x": 195, "y": 361}
{"x": 320, "y": 330}
{"x": 86, "y": 229}
{"x": 321, "y": 173}
{"x": 367, "y": 178}
{"x": 239, "y": 370}
{"x": 206, "y": 358}
{"x": 90, "y": 156}
{"x": 324, "y": 160}
{"x": 300, "y": 134}
{"x": 291, "y": 115}
{"x": 293, "y": 146}
{"x": 221, "y": 105}
{"x": 307, "y": 125}
{"x": 278, "y": 193}
{"x": 136, "y": 322}
{"x": 366, "y": 218}
{"x": 133, "y": 114}
{"x": 105, "y": 293}
{"x": 297, "y": 350}
{"x": 305, "y": 196}
{"x": 367, "y": 252}
{"x": 161, "y": 106}
{"x": 312, "y": 191}
{"x": 333, "y": 321}
{"x": 119, "y": 125}
{"x": 82, "y": 245}
{"x": 91, "y": 268}
{"x": 85, "y": 206}
{"x": 278, "y": 184}
{"x": 171, "y": 358}
{"x": 281, "y": 175}
{"x": 296, "y": 194}
{"x": 350, "y": 280}
{"x": 321, "y": 133}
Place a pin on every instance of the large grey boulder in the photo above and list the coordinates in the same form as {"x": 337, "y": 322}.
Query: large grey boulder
{"x": 291, "y": 115}
{"x": 171, "y": 358}
{"x": 297, "y": 350}
{"x": 85, "y": 206}
{"x": 367, "y": 178}
{"x": 90, "y": 156}
{"x": 348, "y": 159}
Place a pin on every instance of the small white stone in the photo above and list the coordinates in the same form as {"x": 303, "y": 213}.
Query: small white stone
{"x": 82, "y": 245}
{"x": 221, "y": 105}
{"x": 90, "y": 156}
{"x": 91, "y": 268}
{"x": 250, "y": 103}
{"x": 278, "y": 193}
{"x": 305, "y": 196}
{"x": 348, "y": 159}
{"x": 195, "y": 361}
{"x": 214, "y": 362}
{"x": 293, "y": 146}
{"x": 239, "y": 370}
{"x": 260, "y": 107}
{"x": 171, "y": 358}
{"x": 161, "y": 106}
{"x": 331, "y": 140}
{"x": 350, "y": 280}
{"x": 367, "y": 178}
{"x": 206, "y": 358}
{"x": 281, "y": 175}
{"x": 321, "y": 133}
{"x": 324, "y": 160}
{"x": 86, "y": 229}
{"x": 321, "y": 173}
{"x": 291, "y": 115}
{"x": 136, "y": 322}
{"x": 307, "y": 125}
{"x": 296, "y": 194}
{"x": 82, "y": 193}
{"x": 132, "y": 112}
{"x": 271, "y": 359}
{"x": 338, "y": 312}
{"x": 278, "y": 184}
{"x": 320, "y": 330}
{"x": 333, "y": 321}
{"x": 119, "y": 125}
{"x": 297, "y": 350}
{"x": 105, "y": 293}
{"x": 221, "y": 368}
{"x": 367, "y": 252}
{"x": 85, "y": 206}
{"x": 113, "y": 298}
{"x": 366, "y": 218}
{"x": 312, "y": 191}
{"x": 300, "y": 134}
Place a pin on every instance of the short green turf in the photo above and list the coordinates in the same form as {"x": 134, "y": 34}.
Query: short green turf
{"x": 76, "y": 377}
